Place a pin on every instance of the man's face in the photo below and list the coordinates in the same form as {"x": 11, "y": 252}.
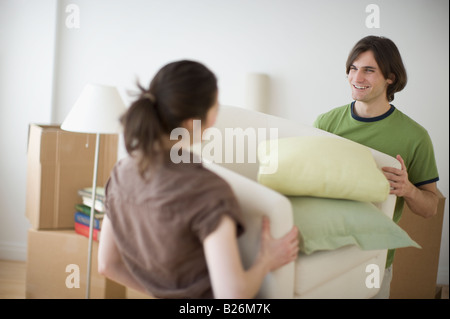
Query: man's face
{"x": 366, "y": 80}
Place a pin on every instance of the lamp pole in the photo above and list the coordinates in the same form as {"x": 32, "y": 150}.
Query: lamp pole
{"x": 91, "y": 221}
{"x": 96, "y": 111}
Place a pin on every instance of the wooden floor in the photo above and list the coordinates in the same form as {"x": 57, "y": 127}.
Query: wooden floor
{"x": 13, "y": 276}
{"x": 12, "y": 279}
{"x": 12, "y": 283}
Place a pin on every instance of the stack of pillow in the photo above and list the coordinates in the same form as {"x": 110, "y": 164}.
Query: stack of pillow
{"x": 332, "y": 184}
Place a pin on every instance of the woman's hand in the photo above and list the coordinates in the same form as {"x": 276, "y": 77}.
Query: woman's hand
{"x": 228, "y": 277}
{"x": 277, "y": 252}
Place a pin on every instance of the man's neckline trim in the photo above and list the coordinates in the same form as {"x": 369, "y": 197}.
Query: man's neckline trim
{"x": 371, "y": 119}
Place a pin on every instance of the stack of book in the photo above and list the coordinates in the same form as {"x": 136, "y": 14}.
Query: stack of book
{"x": 83, "y": 212}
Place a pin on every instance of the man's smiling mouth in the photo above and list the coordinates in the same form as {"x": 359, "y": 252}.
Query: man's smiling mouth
{"x": 360, "y": 87}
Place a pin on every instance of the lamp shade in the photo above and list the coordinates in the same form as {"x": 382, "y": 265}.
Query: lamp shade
{"x": 97, "y": 110}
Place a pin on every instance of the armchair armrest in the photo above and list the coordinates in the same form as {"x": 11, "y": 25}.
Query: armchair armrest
{"x": 256, "y": 201}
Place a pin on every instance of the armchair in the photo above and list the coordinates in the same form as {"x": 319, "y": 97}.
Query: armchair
{"x": 339, "y": 273}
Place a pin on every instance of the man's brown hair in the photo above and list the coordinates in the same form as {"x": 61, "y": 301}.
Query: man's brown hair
{"x": 388, "y": 59}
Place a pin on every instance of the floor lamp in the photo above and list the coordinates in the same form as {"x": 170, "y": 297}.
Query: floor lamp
{"x": 97, "y": 111}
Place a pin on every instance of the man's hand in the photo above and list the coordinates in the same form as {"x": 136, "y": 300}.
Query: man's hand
{"x": 422, "y": 200}
{"x": 398, "y": 179}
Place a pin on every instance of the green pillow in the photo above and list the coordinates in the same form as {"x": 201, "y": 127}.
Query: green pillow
{"x": 321, "y": 166}
{"x": 327, "y": 224}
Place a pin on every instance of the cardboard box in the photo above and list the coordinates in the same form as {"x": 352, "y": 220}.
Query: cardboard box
{"x": 56, "y": 260}
{"x": 415, "y": 270}
{"x": 59, "y": 164}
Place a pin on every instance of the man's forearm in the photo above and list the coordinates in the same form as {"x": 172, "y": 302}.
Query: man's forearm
{"x": 423, "y": 202}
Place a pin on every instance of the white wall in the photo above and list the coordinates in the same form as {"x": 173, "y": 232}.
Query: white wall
{"x": 302, "y": 45}
{"x": 26, "y": 77}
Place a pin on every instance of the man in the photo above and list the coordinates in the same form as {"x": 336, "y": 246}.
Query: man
{"x": 375, "y": 73}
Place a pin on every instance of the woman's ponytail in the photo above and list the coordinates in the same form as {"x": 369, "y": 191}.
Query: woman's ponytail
{"x": 142, "y": 129}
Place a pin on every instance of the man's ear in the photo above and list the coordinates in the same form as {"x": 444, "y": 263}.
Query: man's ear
{"x": 391, "y": 78}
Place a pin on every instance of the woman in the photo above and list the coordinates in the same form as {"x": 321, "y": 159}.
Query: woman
{"x": 171, "y": 229}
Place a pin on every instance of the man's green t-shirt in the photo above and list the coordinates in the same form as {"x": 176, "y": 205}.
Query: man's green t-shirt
{"x": 392, "y": 133}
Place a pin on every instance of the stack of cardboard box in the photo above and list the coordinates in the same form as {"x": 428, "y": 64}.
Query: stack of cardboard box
{"x": 415, "y": 271}
{"x": 59, "y": 164}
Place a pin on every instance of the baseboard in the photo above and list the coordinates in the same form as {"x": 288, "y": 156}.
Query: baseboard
{"x": 13, "y": 251}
